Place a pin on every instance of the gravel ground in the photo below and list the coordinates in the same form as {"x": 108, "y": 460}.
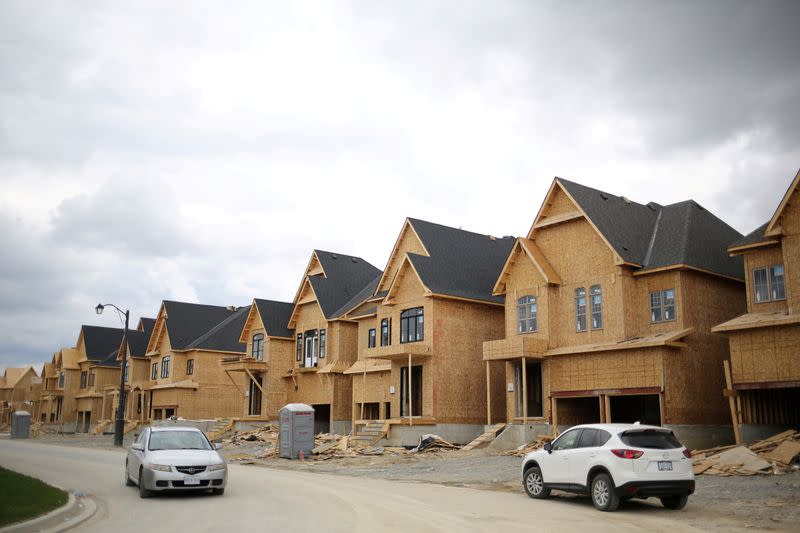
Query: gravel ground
{"x": 719, "y": 503}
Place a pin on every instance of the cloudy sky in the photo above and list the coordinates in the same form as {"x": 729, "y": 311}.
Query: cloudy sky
{"x": 200, "y": 151}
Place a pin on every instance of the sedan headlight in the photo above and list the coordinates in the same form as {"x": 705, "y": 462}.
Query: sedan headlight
{"x": 160, "y": 468}
{"x": 214, "y": 468}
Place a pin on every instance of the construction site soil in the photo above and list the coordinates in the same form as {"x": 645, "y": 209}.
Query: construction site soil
{"x": 760, "y": 502}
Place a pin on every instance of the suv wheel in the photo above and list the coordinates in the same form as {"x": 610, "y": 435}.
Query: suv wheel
{"x": 534, "y": 484}
{"x": 604, "y": 496}
{"x": 674, "y": 502}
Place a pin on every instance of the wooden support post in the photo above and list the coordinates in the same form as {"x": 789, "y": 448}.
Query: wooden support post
{"x": 524, "y": 392}
{"x": 255, "y": 382}
{"x": 555, "y": 415}
{"x": 364, "y": 389}
{"x": 734, "y": 415}
{"x": 228, "y": 373}
{"x": 662, "y": 408}
{"x": 410, "y": 401}
{"x": 488, "y": 397}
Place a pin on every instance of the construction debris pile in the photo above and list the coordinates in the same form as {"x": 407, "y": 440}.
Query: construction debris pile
{"x": 523, "y": 450}
{"x": 778, "y": 454}
{"x": 266, "y": 437}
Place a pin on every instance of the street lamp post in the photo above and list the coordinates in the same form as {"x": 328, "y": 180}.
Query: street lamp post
{"x": 119, "y": 423}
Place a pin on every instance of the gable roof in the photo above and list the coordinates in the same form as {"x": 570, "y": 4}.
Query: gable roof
{"x": 138, "y": 340}
{"x": 275, "y": 316}
{"x": 794, "y": 187}
{"x": 362, "y": 296}
{"x": 187, "y": 322}
{"x": 100, "y": 341}
{"x": 654, "y": 236}
{"x": 345, "y": 276}
{"x": 462, "y": 263}
{"x": 12, "y": 376}
{"x": 224, "y": 337}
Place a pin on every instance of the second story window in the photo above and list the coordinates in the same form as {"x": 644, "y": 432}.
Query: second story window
{"x": 189, "y": 367}
{"x": 126, "y": 371}
{"x": 84, "y": 376}
{"x": 580, "y": 309}
{"x": 154, "y": 372}
{"x": 527, "y": 309}
{"x": 165, "y": 367}
{"x": 91, "y": 379}
{"x": 768, "y": 284}
{"x": 299, "y": 349}
{"x": 61, "y": 380}
{"x": 386, "y": 332}
{"x": 310, "y": 349}
{"x": 323, "y": 342}
{"x": 371, "y": 338}
{"x": 412, "y": 325}
{"x": 258, "y": 347}
{"x": 596, "y": 298}
{"x": 662, "y": 305}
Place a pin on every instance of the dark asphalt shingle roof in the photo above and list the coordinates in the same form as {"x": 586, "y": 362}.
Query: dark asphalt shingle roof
{"x": 655, "y": 236}
{"x": 186, "y": 322}
{"x": 461, "y": 263}
{"x": 362, "y": 296}
{"x": 109, "y": 360}
{"x": 755, "y": 236}
{"x": 100, "y": 341}
{"x": 137, "y": 340}
{"x": 224, "y": 336}
{"x": 345, "y": 277}
{"x": 275, "y": 316}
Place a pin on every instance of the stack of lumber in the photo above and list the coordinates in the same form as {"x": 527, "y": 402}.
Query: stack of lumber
{"x": 430, "y": 443}
{"x": 778, "y": 454}
{"x": 530, "y": 446}
{"x": 266, "y": 433}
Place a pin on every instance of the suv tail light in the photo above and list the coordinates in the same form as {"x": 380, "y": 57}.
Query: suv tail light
{"x": 627, "y": 454}
{"x": 687, "y": 453}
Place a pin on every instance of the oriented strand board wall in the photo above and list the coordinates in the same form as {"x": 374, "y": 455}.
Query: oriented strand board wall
{"x": 559, "y": 204}
{"x": 525, "y": 280}
{"x": 582, "y": 259}
{"x": 309, "y": 316}
{"x": 604, "y": 370}
{"x": 766, "y": 354}
{"x": 312, "y": 388}
{"x": 459, "y": 372}
{"x": 637, "y": 302}
{"x": 764, "y": 258}
{"x": 407, "y": 243}
{"x": 279, "y": 354}
{"x": 375, "y": 388}
{"x": 790, "y": 221}
{"x": 345, "y": 338}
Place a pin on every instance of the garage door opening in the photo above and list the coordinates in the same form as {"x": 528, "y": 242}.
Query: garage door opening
{"x": 573, "y": 411}
{"x": 642, "y": 408}
{"x": 777, "y": 407}
{"x": 322, "y": 418}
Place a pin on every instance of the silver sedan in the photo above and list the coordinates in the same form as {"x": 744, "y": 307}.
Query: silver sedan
{"x": 174, "y": 458}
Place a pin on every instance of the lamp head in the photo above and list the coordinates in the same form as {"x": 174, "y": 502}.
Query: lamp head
{"x": 99, "y": 309}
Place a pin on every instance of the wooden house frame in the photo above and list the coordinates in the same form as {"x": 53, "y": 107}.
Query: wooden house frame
{"x": 609, "y": 306}
{"x": 15, "y": 392}
{"x": 763, "y": 373}
{"x": 98, "y": 372}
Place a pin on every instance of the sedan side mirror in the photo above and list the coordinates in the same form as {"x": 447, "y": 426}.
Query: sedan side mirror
{"x": 217, "y": 446}
{"x": 548, "y": 447}
{"x": 138, "y": 446}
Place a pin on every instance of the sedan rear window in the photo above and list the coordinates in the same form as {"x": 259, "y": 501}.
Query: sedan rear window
{"x": 178, "y": 440}
{"x": 660, "y": 440}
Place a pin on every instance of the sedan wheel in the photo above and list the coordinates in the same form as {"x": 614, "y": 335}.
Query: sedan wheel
{"x": 604, "y": 496}
{"x": 534, "y": 484}
{"x": 143, "y": 492}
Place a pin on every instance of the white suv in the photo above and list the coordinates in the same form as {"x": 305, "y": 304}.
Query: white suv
{"x": 612, "y": 462}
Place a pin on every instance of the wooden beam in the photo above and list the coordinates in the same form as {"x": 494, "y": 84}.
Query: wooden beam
{"x": 488, "y": 397}
{"x": 726, "y": 365}
{"x": 255, "y": 381}
{"x": 228, "y": 373}
{"x": 524, "y": 392}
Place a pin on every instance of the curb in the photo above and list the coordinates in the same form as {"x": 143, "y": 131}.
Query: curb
{"x": 78, "y": 509}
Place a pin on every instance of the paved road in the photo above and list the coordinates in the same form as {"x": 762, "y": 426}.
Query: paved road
{"x": 268, "y": 499}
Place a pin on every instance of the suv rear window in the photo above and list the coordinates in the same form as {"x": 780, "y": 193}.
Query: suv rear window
{"x": 660, "y": 440}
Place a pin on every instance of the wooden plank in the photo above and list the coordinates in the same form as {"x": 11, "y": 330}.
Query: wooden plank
{"x": 734, "y": 417}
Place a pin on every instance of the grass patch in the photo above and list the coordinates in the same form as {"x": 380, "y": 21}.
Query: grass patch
{"x": 23, "y": 497}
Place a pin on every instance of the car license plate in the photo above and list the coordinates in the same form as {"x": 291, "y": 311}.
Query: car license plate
{"x": 194, "y": 480}
{"x": 665, "y": 465}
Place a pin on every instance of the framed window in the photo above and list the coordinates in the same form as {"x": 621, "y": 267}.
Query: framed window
{"x": 386, "y": 332}
{"x": 768, "y": 284}
{"x": 91, "y": 379}
{"x": 323, "y": 338}
{"x": 189, "y": 367}
{"x": 527, "y": 309}
{"x": 61, "y": 380}
{"x": 412, "y": 325}
{"x": 84, "y": 376}
{"x": 165, "y": 367}
{"x": 154, "y": 371}
{"x": 371, "y": 338}
{"x": 662, "y": 306}
{"x": 126, "y": 371}
{"x": 580, "y": 309}
{"x": 299, "y": 349}
{"x": 258, "y": 347}
{"x": 310, "y": 348}
{"x": 596, "y": 298}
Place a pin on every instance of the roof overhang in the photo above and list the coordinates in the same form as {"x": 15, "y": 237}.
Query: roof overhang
{"x": 682, "y": 266}
{"x": 773, "y": 228}
{"x": 757, "y": 320}
{"x": 407, "y": 225}
{"x": 670, "y": 339}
